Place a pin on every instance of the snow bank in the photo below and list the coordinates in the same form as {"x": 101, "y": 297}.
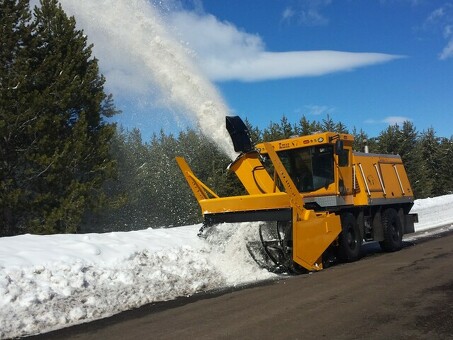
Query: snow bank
{"x": 433, "y": 212}
{"x": 49, "y": 282}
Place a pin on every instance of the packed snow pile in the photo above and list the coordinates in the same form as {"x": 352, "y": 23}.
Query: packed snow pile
{"x": 433, "y": 212}
{"x": 49, "y": 282}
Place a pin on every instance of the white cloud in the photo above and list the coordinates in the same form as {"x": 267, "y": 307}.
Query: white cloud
{"x": 226, "y": 53}
{"x": 413, "y": 3}
{"x": 391, "y": 120}
{"x": 288, "y": 13}
{"x": 436, "y": 15}
{"x": 447, "y": 52}
{"x": 442, "y": 19}
{"x": 212, "y": 39}
{"x": 222, "y": 51}
{"x": 273, "y": 65}
{"x": 448, "y": 31}
{"x": 398, "y": 120}
{"x": 307, "y": 12}
{"x": 318, "y": 109}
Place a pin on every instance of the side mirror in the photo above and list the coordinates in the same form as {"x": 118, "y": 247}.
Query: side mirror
{"x": 339, "y": 147}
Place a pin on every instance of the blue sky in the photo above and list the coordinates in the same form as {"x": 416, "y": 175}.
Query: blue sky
{"x": 365, "y": 63}
{"x": 418, "y": 87}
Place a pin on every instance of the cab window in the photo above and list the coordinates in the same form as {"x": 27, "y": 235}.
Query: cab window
{"x": 310, "y": 168}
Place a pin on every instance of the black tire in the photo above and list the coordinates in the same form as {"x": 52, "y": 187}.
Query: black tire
{"x": 393, "y": 231}
{"x": 350, "y": 240}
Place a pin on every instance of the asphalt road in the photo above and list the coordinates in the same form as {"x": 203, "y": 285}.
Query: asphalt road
{"x": 402, "y": 295}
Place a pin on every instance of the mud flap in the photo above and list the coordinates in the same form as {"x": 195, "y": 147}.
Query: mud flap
{"x": 312, "y": 235}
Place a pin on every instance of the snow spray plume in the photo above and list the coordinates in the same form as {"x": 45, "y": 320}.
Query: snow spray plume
{"x": 130, "y": 37}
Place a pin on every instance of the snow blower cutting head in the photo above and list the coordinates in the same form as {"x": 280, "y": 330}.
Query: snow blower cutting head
{"x": 323, "y": 197}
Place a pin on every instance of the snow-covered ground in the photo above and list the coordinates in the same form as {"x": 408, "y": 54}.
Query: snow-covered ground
{"x": 49, "y": 282}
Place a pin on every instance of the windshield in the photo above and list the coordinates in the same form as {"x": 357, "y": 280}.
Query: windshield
{"x": 310, "y": 168}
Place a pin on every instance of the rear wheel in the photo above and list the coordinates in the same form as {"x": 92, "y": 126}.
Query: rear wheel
{"x": 393, "y": 231}
{"x": 350, "y": 239}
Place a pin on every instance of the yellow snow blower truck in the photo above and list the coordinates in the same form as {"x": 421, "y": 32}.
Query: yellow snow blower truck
{"x": 317, "y": 198}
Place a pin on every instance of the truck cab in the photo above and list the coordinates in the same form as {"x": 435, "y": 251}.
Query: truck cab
{"x": 320, "y": 165}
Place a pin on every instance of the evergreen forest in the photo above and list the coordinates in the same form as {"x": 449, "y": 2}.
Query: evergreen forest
{"x": 66, "y": 168}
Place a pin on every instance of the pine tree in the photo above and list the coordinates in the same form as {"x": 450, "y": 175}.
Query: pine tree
{"x": 388, "y": 140}
{"x": 254, "y": 131}
{"x": 441, "y": 165}
{"x": 410, "y": 151}
{"x": 58, "y": 150}
{"x": 15, "y": 37}
{"x": 446, "y": 146}
{"x": 431, "y": 155}
{"x": 305, "y": 127}
{"x": 286, "y": 128}
{"x": 130, "y": 194}
{"x": 341, "y": 128}
{"x": 328, "y": 124}
{"x": 360, "y": 139}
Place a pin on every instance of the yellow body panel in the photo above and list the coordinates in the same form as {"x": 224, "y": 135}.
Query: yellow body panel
{"x": 313, "y": 236}
{"x": 253, "y": 175}
{"x": 304, "y": 141}
{"x": 245, "y": 203}
{"x": 199, "y": 189}
{"x": 380, "y": 178}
